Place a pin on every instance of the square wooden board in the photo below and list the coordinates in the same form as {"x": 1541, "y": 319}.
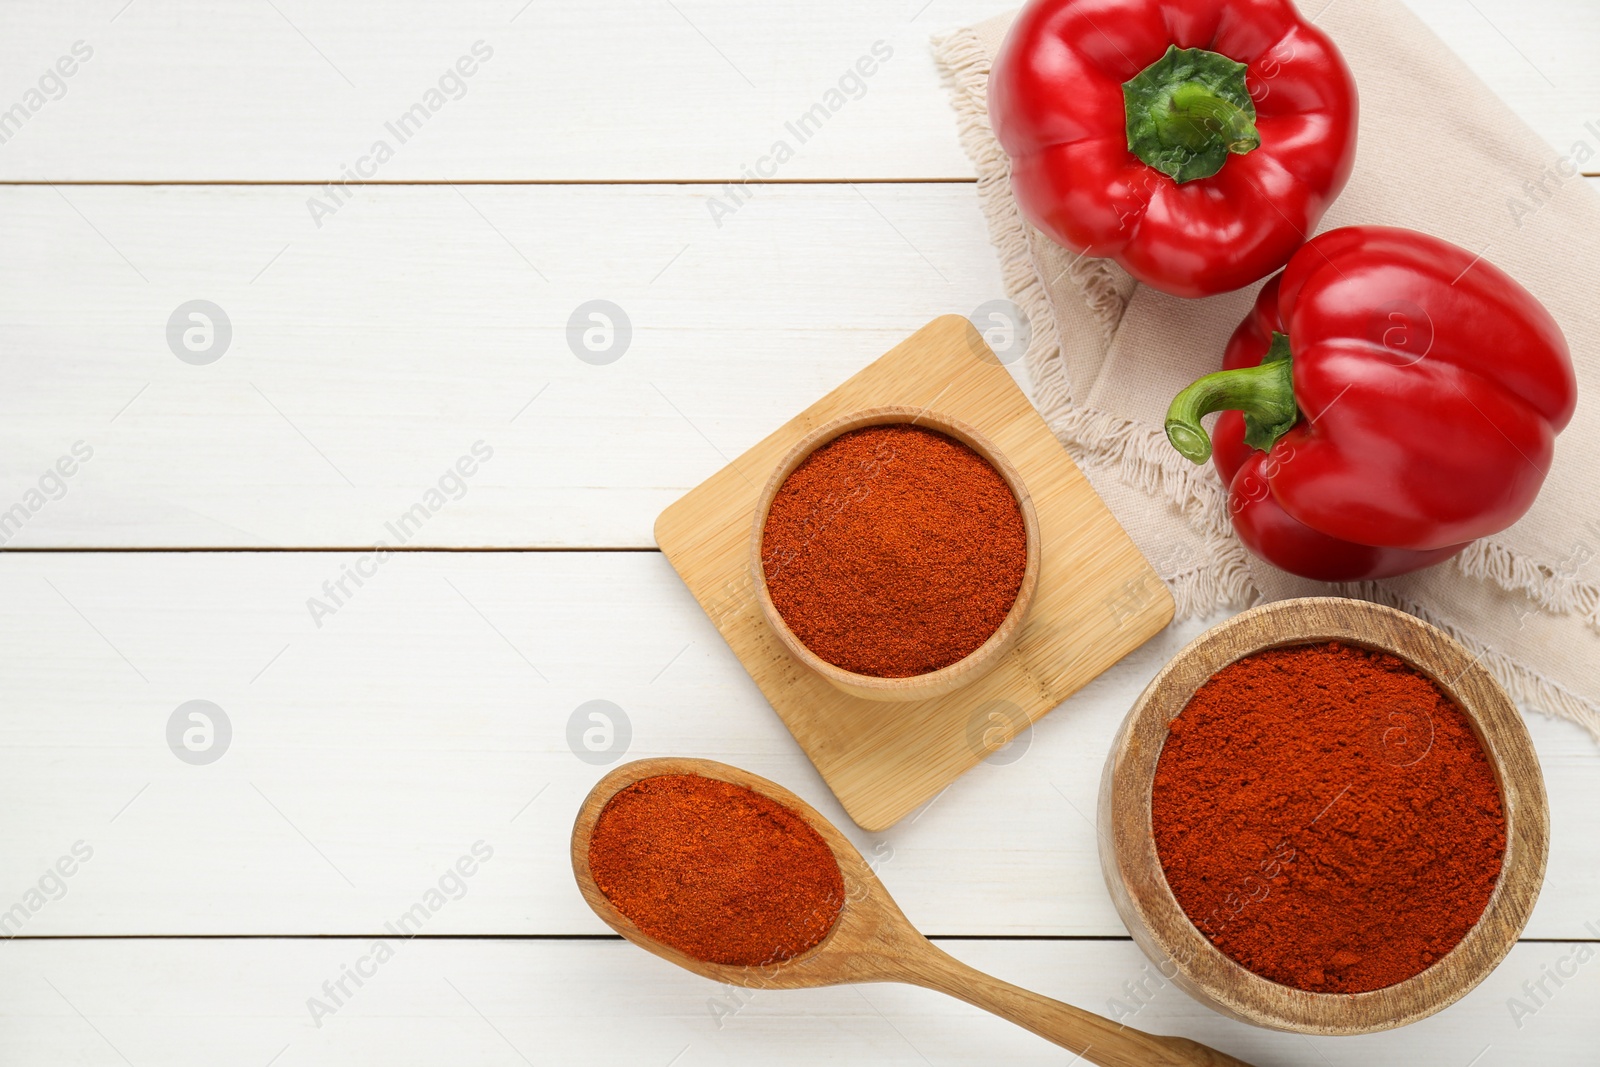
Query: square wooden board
{"x": 1097, "y": 598}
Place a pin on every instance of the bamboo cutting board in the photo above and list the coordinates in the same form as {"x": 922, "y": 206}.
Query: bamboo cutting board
{"x": 1097, "y": 598}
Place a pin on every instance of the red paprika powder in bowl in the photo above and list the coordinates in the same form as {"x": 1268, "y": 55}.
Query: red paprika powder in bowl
{"x": 1324, "y": 816}
{"x": 895, "y": 553}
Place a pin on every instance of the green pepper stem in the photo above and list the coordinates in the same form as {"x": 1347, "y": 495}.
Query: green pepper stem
{"x": 1265, "y": 394}
{"x": 1196, "y": 117}
{"x": 1188, "y": 112}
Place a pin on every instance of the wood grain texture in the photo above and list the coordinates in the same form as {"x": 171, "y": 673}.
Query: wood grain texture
{"x": 607, "y": 91}
{"x": 199, "y": 1003}
{"x": 872, "y": 941}
{"x": 380, "y": 347}
{"x": 604, "y": 91}
{"x": 178, "y": 1001}
{"x": 935, "y": 683}
{"x": 1097, "y": 601}
{"x": 1159, "y": 925}
{"x": 369, "y": 355}
{"x": 416, "y": 721}
{"x": 411, "y": 324}
{"x": 406, "y": 728}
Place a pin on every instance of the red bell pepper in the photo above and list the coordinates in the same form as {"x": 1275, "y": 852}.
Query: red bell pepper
{"x": 1196, "y": 142}
{"x": 1390, "y": 398}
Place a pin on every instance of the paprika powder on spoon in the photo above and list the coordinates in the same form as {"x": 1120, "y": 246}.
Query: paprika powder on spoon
{"x": 715, "y": 870}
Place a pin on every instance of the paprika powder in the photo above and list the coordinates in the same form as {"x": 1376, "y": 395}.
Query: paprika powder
{"x": 715, "y": 870}
{"x": 894, "y": 551}
{"x": 1327, "y": 817}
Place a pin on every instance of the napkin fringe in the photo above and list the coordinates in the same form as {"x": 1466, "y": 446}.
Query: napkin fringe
{"x": 1554, "y": 589}
{"x": 1223, "y": 581}
{"x": 1148, "y": 462}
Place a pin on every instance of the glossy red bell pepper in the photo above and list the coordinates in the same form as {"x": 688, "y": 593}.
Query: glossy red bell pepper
{"x": 1390, "y": 398}
{"x": 1196, "y": 142}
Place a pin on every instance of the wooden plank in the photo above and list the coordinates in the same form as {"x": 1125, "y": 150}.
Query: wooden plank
{"x": 368, "y": 356}
{"x": 608, "y": 91}
{"x": 381, "y": 746}
{"x": 380, "y": 348}
{"x": 185, "y": 1002}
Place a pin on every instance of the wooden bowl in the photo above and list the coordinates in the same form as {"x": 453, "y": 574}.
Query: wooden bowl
{"x": 935, "y": 683}
{"x": 1159, "y": 926}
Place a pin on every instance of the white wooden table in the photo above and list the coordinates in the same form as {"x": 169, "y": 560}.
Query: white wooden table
{"x": 379, "y": 334}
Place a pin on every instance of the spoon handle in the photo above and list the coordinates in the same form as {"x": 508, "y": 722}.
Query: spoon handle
{"x": 1094, "y": 1038}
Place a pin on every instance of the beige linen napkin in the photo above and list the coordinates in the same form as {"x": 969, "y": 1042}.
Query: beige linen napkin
{"x": 1438, "y": 152}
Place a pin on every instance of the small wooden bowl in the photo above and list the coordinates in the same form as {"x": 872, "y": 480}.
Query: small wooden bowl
{"x": 935, "y": 683}
{"x": 1159, "y": 926}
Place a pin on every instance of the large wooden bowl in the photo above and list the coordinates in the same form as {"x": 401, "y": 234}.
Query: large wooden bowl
{"x": 921, "y": 686}
{"x": 1159, "y": 926}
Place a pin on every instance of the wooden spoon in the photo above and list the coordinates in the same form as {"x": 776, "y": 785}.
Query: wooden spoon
{"x": 872, "y": 941}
